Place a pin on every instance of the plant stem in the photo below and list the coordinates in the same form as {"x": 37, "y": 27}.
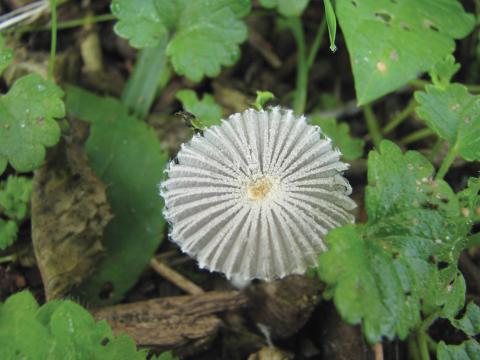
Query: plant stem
{"x": 416, "y": 136}
{"x": 143, "y": 83}
{"x": 446, "y": 163}
{"x": 53, "y": 46}
{"x": 421, "y": 336}
{"x": 435, "y": 149}
{"x": 400, "y": 117}
{"x": 413, "y": 348}
{"x": 316, "y": 43}
{"x": 300, "y": 100}
{"x": 372, "y": 124}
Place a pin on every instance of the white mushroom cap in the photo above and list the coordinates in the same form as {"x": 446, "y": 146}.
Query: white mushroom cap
{"x": 255, "y": 196}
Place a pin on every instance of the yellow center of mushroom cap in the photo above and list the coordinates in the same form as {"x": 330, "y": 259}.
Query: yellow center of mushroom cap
{"x": 259, "y": 189}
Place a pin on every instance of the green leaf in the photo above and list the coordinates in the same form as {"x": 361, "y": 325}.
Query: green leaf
{"x": 468, "y": 350}
{"x": 351, "y": 148}
{"x": 454, "y": 115}
{"x": 58, "y": 330}
{"x": 331, "y": 23}
{"x": 263, "y": 97}
{"x": 286, "y": 7}
{"x": 204, "y": 34}
{"x": 165, "y": 356}
{"x": 386, "y": 273}
{"x": 207, "y": 111}
{"x": 8, "y": 233}
{"x": 390, "y": 42}
{"x": 6, "y": 57}
{"x": 443, "y": 71}
{"x": 470, "y": 200}
{"x": 470, "y": 322}
{"x": 126, "y": 155}
{"x": 15, "y": 194}
{"x": 27, "y": 121}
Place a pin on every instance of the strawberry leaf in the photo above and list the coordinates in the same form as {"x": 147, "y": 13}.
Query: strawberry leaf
{"x": 204, "y": 34}
{"x": 28, "y": 114}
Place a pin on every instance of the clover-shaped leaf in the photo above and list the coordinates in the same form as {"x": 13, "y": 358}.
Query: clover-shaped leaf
{"x": 390, "y": 42}
{"x": 205, "y": 35}
{"x": 27, "y": 122}
{"x": 59, "y": 329}
{"x": 454, "y": 115}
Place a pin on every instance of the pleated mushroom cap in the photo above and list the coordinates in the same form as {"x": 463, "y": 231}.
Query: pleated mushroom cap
{"x": 255, "y": 196}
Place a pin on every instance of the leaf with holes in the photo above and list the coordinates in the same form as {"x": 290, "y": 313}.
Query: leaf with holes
{"x": 470, "y": 321}
{"x": 351, "y": 148}
{"x": 58, "y": 330}
{"x": 390, "y": 42}
{"x": 125, "y": 154}
{"x": 454, "y": 115}
{"x": 204, "y": 34}
{"x": 286, "y": 7}
{"x": 380, "y": 273}
{"x": 206, "y": 110}
{"x": 27, "y": 122}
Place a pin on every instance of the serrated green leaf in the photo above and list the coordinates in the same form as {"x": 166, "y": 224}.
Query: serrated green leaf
{"x": 470, "y": 321}
{"x": 286, "y": 7}
{"x": 58, "y": 330}
{"x": 27, "y": 121}
{"x": 331, "y": 23}
{"x": 206, "y": 110}
{"x": 468, "y": 350}
{"x": 8, "y": 233}
{"x": 15, "y": 194}
{"x": 454, "y": 115}
{"x": 369, "y": 286}
{"x": 6, "y": 57}
{"x": 351, "y": 148}
{"x": 125, "y": 153}
{"x": 205, "y": 35}
{"x": 443, "y": 71}
{"x": 386, "y": 274}
{"x": 390, "y": 42}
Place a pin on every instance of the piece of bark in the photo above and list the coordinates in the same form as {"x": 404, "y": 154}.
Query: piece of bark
{"x": 69, "y": 212}
{"x": 283, "y": 306}
{"x": 186, "y": 324}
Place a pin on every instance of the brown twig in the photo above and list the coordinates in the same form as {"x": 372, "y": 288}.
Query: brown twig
{"x": 176, "y": 278}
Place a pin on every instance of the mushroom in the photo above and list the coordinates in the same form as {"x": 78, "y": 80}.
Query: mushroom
{"x": 254, "y": 197}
